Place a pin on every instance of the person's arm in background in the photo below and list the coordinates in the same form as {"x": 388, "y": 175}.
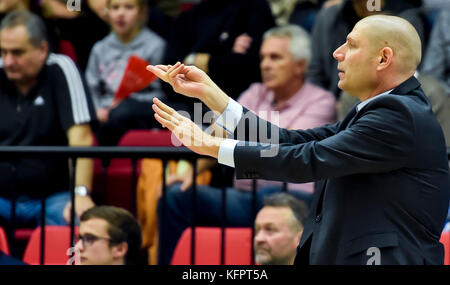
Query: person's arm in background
{"x": 81, "y": 135}
{"x": 99, "y": 8}
{"x": 58, "y": 9}
{"x": 186, "y": 177}
{"x": 76, "y": 114}
{"x": 255, "y": 19}
{"x": 242, "y": 36}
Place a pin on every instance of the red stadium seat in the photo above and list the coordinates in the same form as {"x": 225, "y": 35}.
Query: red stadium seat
{"x": 3, "y": 241}
{"x": 238, "y": 246}
{"x": 445, "y": 240}
{"x": 120, "y": 171}
{"x": 57, "y": 245}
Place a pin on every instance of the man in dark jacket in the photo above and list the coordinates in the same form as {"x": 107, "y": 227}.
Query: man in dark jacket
{"x": 384, "y": 180}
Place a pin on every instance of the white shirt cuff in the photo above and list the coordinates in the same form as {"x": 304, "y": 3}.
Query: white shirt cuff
{"x": 230, "y": 118}
{"x": 226, "y": 152}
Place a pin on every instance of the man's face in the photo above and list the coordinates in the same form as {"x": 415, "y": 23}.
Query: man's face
{"x": 21, "y": 60}
{"x": 275, "y": 238}
{"x": 278, "y": 67}
{"x": 124, "y": 16}
{"x": 356, "y": 62}
{"x": 96, "y": 248}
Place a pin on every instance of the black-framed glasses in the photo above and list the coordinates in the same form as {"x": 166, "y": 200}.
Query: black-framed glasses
{"x": 89, "y": 239}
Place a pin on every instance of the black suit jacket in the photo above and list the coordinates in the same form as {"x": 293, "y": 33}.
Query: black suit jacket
{"x": 384, "y": 183}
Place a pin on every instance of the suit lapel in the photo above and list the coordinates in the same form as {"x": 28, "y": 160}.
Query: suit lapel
{"x": 348, "y": 119}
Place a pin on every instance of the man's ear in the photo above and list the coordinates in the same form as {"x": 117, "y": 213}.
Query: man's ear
{"x": 300, "y": 66}
{"x": 120, "y": 250}
{"x": 385, "y": 58}
{"x": 298, "y": 237}
{"x": 44, "y": 48}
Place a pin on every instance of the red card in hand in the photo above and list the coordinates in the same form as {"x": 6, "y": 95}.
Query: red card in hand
{"x": 135, "y": 78}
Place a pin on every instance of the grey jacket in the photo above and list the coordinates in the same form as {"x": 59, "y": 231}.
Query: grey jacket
{"x": 437, "y": 58}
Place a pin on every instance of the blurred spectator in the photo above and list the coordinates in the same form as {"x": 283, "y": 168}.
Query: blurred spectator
{"x": 43, "y": 103}
{"x": 330, "y": 30}
{"x": 437, "y": 57}
{"x": 436, "y": 4}
{"x": 398, "y": 6}
{"x": 278, "y": 229}
{"x": 284, "y": 98}
{"x": 305, "y": 12}
{"x": 75, "y": 27}
{"x": 106, "y": 67}
{"x": 161, "y": 15}
{"x": 282, "y": 10}
{"x": 222, "y": 37}
{"x": 109, "y": 236}
{"x": 33, "y": 6}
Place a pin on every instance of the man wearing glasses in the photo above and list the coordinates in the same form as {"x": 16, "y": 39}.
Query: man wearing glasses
{"x": 108, "y": 236}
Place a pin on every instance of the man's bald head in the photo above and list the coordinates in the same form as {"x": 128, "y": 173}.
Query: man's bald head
{"x": 398, "y": 34}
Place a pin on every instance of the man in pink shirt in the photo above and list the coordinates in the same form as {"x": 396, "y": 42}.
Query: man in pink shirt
{"x": 285, "y": 99}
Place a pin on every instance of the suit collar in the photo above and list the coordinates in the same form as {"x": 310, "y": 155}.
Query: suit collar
{"x": 407, "y": 86}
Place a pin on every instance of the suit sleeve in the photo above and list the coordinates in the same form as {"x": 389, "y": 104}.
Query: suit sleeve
{"x": 380, "y": 140}
{"x": 251, "y": 128}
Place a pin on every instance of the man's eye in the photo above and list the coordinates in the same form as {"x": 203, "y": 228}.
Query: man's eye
{"x": 89, "y": 238}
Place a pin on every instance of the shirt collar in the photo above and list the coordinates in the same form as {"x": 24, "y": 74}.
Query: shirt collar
{"x": 364, "y": 103}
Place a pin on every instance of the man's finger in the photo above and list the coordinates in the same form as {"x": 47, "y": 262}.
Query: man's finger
{"x": 165, "y": 115}
{"x": 165, "y": 123}
{"x": 175, "y": 70}
{"x": 172, "y": 68}
{"x": 160, "y": 71}
{"x": 169, "y": 110}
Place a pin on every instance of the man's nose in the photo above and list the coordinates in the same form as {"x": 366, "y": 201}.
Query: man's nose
{"x": 339, "y": 53}
{"x": 259, "y": 237}
{"x": 264, "y": 63}
{"x": 8, "y": 59}
{"x": 79, "y": 245}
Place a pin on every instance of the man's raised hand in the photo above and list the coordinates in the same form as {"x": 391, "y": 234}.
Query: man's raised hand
{"x": 192, "y": 82}
{"x": 187, "y": 80}
{"x": 191, "y": 135}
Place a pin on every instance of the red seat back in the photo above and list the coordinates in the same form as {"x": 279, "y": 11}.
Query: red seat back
{"x": 3, "y": 241}
{"x": 147, "y": 138}
{"x": 238, "y": 246}
{"x": 119, "y": 172}
{"x": 67, "y": 48}
{"x": 57, "y": 246}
